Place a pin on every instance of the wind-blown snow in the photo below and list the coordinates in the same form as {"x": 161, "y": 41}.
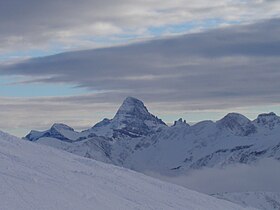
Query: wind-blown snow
{"x": 34, "y": 176}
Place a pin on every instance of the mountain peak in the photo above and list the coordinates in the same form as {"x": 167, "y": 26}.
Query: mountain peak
{"x": 61, "y": 126}
{"x": 132, "y": 106}
{"x": 237, "y": 123}
{"x": 131, "y": 99}
{"x": 268, "y": 115}
{"x": 234, "y": 117}
{"x": 58, "y": 130}
{"x": 180, "y": 123}
{"x": 269, "y": 120}
{"x": 132, "y": 119}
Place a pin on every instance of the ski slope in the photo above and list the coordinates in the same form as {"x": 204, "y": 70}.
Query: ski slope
{"x": 34, "y": 176}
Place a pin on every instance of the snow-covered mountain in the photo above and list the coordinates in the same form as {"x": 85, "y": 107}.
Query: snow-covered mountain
{"x": 57, "y": 131}
{"x": 233, "y": 139}
{"x": 131, "y": 120}
{"x": 39, "y": 177}
{"x": 138, "y": 140}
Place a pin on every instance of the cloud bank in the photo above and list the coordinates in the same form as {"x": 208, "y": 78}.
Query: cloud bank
{"x": 263, "y": 176}
{"x": 31, "y": 24}
{"x": 222, "y": 68}
{"x": 226, "y": 68}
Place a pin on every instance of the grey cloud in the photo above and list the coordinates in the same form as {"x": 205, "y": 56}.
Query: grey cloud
{"x": 222, "y": 68}
{"x": 37, "y": 24}
{"x": 20, "y": 115}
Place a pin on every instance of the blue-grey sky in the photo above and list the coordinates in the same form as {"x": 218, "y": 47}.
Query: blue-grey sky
{"x": 75, "y": 61}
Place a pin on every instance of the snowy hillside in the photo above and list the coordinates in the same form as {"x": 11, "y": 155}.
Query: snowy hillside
{"x": 260, "y": 200}
{"x": 138, "y": 140}
{"x": 38, "y": 177}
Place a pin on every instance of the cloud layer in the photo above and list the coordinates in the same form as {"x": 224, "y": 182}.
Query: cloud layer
{"x": 262, "y": 176}
{"x": 31, "y": 24}
{"x": 220, "y": 69}
{"x": 20, "y": 115}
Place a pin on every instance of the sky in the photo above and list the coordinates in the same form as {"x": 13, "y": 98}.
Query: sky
{"x": 75, "y": 61}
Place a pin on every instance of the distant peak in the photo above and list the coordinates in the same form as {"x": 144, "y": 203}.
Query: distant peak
{"x": 130, "y": 99}
{"x": 268, "y": 119}
{"x": 234, "y": 117}
{"x": 131, "y": 102}
{"x": 270, "y": 114}
{"x": 132, "y": 106}
{"x": 237, "y": 124}
{"x": 132, "y": 119}
{"x": 180, "y": 122}
{"x": 61, "y": 126}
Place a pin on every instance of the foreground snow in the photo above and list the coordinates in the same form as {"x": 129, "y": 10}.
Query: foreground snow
{"x": 39, "y": 177}
{"x": 260, "y": 200}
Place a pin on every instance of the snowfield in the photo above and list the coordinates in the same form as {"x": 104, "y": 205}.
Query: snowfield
{"x": 34, "y": 176}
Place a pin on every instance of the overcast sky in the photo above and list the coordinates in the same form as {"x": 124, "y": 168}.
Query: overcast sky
{"x": 75, "y": 61}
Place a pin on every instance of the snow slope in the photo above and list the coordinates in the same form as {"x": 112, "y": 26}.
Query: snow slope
{"x": 34, "y": 176}
{"x": 260, "y": 200}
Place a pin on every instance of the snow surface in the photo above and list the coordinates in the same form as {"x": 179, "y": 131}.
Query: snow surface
{"x": 34, "y": 176}
{"x": 260, "y": 200}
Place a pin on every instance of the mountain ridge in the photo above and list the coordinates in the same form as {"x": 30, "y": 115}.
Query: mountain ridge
{"x": 179, "y": 149}
{"x": 138, "y": 140}
{"x": 133, "y": 108}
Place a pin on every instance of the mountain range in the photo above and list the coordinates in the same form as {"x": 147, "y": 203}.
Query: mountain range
{"x": 138, "y": 140}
